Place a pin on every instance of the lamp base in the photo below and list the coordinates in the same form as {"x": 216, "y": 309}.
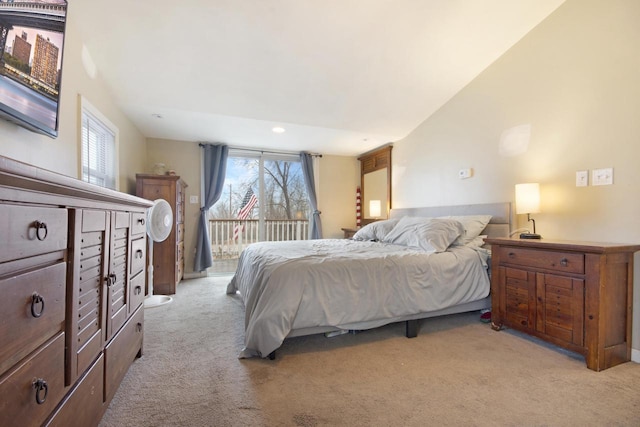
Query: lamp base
{"x": 530, "y": 236}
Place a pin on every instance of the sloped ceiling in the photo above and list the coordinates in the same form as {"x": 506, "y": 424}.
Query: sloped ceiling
{"x": 341, "y": 76}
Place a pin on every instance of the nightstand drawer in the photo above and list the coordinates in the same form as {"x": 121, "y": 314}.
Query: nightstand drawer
{"x": 349, "y": 232}
{"x": 550, "y": 260}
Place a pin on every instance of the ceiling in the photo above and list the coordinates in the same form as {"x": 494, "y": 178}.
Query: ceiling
{"x": 341, "y": 76}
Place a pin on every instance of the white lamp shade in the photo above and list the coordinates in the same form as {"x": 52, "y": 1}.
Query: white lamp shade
{"x": 374, "y": 208}
{"x": 527, "y": 198}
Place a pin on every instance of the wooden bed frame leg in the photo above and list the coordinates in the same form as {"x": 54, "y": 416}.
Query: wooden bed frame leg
{"x": 272, "y": 355}
{"x": 412, "y": 328}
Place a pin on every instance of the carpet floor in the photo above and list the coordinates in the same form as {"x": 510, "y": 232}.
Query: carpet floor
{"x": 457, "y": 372}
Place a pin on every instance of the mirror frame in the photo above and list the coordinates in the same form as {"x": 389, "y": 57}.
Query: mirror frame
{"x": 371, "y": 161}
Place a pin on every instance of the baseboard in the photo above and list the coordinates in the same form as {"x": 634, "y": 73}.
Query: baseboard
{"x": 194, "y": 275}
{"x": 635, "y": 355}
{"x": 204, "y": 274}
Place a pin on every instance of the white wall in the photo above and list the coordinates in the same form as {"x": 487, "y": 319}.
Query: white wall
{"x": 339, "y": 176}
{"x": 575, "y": 79}
{"x": 184, "y": 158}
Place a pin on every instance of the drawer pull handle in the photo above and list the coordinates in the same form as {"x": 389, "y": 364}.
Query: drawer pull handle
{"x": 512, "y": 255}
{"x": 137, "y": 290}
{"x": 111, "y": 279}
{"x": 564, "y": 262}
{"x": 37, "y": 300}
{"x": 42, "y": 389}
{"x": 41, "y": 226}
{"x": 141, "y": 221}
{"x": 139, "y": 253}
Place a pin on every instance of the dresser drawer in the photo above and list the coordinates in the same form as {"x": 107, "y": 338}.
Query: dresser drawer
{"x": 180, "y": 253}
{"x": 179, "y": 272}
{"x": 138, "y": 223}
{"x": 568, "y": 262}
{"x": 136, "y": 291}
{"x": 121, "y": 351}
{"x": 29, "y": 231}
{"x": 179, "y": 213}
{"x": 180, "y": 233}
{"x": 83, "y": 405}
{"x": 32, "y": 310}
{"x": 138, "y": 256}
{"x": 33, "y": 389}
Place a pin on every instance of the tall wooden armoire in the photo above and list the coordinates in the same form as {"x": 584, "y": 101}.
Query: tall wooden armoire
{"x": 168, "y": 256}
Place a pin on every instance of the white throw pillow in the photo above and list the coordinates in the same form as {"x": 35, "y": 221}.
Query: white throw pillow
{"x": 429, "y": 234}
{"x": 375, "y": 230}
{"x": 473, "y": 226}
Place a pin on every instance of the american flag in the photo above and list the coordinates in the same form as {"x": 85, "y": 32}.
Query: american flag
{"x": 248, "y": 203}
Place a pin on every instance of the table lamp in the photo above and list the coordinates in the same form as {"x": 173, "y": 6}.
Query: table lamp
{"x": 374, "y": 209}
{"x": 528, "y": 202}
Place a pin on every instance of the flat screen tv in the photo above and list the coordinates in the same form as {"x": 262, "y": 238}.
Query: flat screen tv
{"x": 32, "y": 40}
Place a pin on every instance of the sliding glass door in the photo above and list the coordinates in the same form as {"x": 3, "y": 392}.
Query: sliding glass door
{"x": 264, "y": 199}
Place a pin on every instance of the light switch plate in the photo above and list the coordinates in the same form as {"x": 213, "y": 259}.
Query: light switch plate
{"x": 465, "y": 173}
{"x": 582, "y": 178}
{"x": 602, "y": 176}
{"x": 193, "y": 199}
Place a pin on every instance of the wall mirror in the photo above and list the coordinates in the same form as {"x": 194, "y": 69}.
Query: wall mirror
{"x": 375, "y": 183}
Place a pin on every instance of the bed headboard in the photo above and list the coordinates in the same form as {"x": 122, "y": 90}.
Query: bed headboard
{"x": 499, "y": 226}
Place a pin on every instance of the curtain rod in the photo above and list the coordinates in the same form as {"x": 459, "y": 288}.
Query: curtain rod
{"x": 256, "y": 150}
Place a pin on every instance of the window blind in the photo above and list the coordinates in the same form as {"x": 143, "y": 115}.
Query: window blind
{"x": 98, "y": 152}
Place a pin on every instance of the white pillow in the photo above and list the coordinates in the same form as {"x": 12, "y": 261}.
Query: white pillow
{"x": 375, "y": 230}
{"x": 429, "y": 234}
{"x": 473, "y": 226}
{"x": 478, "y": 242}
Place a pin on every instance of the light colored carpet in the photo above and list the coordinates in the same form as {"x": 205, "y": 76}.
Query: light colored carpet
{"x": 456, "y": 372}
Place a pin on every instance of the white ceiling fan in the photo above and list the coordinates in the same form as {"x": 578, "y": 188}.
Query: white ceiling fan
{"x": 159, "y": 224}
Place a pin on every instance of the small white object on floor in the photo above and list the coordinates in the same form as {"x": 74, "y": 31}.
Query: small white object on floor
{"x": 336, "y": 333}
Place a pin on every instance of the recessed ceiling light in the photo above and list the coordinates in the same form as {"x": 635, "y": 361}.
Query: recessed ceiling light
{"x": 278, "y": 129}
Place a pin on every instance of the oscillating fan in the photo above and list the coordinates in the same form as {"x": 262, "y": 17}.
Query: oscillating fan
{"x": 159, "y": 224}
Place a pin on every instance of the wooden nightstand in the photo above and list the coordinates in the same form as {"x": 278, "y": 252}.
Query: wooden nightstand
{"x": 577, "y": 295}
{"x": 349, "y": 232}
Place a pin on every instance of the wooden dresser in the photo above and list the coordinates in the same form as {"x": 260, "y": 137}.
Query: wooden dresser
{"x": 71, "y": 292}
{"x": 168, "y": 256}
{"x": 577, "y": 295}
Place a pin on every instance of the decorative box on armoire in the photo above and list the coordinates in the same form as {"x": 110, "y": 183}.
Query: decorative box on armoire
{"x": 168, "y": 256}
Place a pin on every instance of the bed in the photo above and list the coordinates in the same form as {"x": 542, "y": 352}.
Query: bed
{"x": 421, "y": 263}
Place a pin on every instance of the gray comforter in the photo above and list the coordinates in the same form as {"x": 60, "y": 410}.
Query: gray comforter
{"x": 347, "y": 284}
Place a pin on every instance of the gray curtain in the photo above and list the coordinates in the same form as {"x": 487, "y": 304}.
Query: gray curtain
{"x": 306, "y": 160}
{"x": 215, "y": 169}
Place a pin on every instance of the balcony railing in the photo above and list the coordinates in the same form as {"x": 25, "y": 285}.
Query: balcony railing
{"x": 230, "y": 236}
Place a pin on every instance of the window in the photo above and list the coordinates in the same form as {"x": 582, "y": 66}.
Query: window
{"x": 99, "y": 139}
{"x": 268, "y": 191}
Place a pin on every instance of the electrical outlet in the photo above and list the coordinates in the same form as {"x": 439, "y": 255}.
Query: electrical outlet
{"x": 582, "y": 178}
{"x": 602, "y": 176}
{"x": 193, "y": 199}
